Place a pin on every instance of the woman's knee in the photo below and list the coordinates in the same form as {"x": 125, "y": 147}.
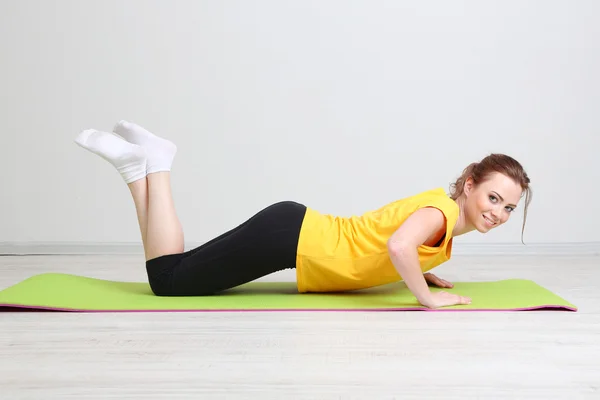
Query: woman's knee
{"x": 160, "y": 273}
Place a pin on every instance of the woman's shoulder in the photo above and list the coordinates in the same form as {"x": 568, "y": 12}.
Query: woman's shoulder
{"x": 435, "y": 197}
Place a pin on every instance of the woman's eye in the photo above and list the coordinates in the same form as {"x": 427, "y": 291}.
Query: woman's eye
{"x": 493, "y": 199}
{"x": 510, "y": 209}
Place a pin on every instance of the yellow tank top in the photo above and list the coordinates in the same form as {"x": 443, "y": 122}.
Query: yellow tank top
{"x": 350, "y": 253}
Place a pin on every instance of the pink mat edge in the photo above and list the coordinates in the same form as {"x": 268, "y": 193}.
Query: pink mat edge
{"x": 43, "y": 308}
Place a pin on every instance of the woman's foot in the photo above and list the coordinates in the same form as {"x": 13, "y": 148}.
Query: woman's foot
{"x": 129, "y": 159}
{"x": 161, "y": 152}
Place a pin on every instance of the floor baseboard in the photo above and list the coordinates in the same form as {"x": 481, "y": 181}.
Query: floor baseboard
{"x": 460, "y": 249}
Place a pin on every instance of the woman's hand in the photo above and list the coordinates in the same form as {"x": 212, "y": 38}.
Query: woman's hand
{"x": 442, "y": 299}
{"x": 445, "y": 299}
{"x": 435, "y": 281}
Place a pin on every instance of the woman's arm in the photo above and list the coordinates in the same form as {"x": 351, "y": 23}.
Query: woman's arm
{"x": 403, "y": 246}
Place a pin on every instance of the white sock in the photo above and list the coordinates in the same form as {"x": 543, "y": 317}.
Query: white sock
{"x": 129, "y": 159}
{"x": 161, "y": 152}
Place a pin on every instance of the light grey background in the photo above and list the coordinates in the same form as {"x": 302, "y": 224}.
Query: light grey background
{"x": 341, "y": 105}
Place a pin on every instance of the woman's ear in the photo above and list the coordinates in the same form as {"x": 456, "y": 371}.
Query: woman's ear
{"x": 469, "y": 185}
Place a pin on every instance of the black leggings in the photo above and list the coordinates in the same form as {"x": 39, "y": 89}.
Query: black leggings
{"x": 264, "y": 244}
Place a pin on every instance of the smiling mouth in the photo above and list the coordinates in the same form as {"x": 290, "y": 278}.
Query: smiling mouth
{"x": 489, "y": 221}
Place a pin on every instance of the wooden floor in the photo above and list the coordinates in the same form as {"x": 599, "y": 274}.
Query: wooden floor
{"x": 391, "y": 355}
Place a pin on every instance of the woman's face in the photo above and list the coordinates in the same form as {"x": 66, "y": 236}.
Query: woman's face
{"x": 490, "y": 204}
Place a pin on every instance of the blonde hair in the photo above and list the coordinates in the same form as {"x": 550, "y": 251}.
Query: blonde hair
{"x": 480, "y": 171}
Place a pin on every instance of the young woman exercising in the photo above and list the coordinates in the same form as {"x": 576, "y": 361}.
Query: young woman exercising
{"x": 399, "y": 241}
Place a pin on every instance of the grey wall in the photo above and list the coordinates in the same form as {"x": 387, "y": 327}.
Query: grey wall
{"x": 342, "y": 105}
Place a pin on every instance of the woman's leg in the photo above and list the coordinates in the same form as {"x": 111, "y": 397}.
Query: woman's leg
{"x": 163, "y": 232}
{"x": 133, "y": 158}
{"x": 264, "y": 244}
{"x": 139, "y": 192}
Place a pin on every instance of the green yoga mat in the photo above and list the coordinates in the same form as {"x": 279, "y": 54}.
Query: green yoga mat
{"x": 64, "y": 292}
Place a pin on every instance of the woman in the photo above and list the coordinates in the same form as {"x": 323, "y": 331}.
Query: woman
{"x": 399, "y": 241}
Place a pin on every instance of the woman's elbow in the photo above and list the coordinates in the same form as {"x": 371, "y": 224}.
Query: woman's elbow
{"x": 399, "y": 248}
